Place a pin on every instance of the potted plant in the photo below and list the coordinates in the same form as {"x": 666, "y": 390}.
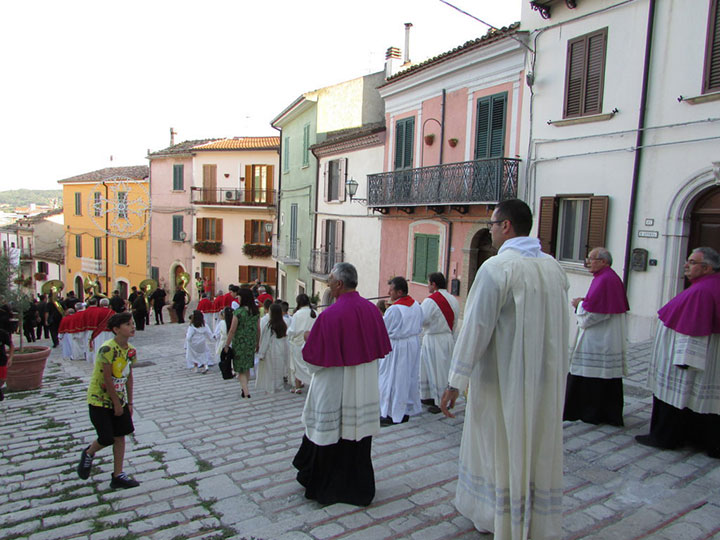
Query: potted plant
{"x": 40, "y": 276}
{"x": 208, "y": 248}
{"x": 257, "y": 250}
{"x": 429, "y": 139}
{"x": 29, "y": 362}
{"x": 453, "y": 142}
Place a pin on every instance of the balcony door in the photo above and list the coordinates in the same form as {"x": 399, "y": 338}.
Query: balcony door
{"x": 258, "y": 184}
{"x": 332, "y": 243}
{"x": 489, "y": 144}
{"x": 293, "y": 247}
{"x": 209, "y": 183}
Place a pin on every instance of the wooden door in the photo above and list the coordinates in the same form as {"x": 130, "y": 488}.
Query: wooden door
{"x": 705, "y": 221}
{"x": 208, "y": 272}
{"x": 209, "y": 183}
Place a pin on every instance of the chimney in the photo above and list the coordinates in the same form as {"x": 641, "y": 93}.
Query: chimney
{"x": 406, "y": 60}
{"x": 172, "y": 136}
{"x": 392, "y": 61}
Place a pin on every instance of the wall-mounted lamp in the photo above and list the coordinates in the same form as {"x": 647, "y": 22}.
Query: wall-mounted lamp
{"x": 183, "y": 236}
{"x": 351, "y": 185}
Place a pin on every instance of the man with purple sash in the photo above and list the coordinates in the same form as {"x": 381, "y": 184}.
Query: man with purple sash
{"x": 440, "y": 314}
{"x": 594, "y": 392}
{"x": 342, "y": 408}
{"x": 684, "y": 373}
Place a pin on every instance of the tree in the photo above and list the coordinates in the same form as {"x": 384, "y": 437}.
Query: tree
{"x": 12, "y": 293}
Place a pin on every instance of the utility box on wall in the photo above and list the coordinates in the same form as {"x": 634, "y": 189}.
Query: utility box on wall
{"x": 455, "y": 287}
{"x": 639, "y": 260}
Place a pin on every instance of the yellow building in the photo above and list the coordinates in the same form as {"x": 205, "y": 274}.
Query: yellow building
{"x": 106, "y": 215}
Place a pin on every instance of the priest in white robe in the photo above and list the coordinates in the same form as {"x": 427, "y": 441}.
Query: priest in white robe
{"x": 594, "y": 391}
{"x": 440, "y": 315}
{"x": 684, "y": 373}
{"x": 341, "y": 410}
{"x": 512, "y": 356}
{"x": 399, "y": 371}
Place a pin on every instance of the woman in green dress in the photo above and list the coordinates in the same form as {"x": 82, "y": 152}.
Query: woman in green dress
{"x": 244, "y": 335}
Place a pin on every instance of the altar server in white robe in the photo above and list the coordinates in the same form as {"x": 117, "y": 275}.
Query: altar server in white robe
{"x": 512, "y": 353}
{"x": 594, "y": 391}
{"x": 399, "y": 371}
{"x": 273, "y": 351}
{"x": 684, "y": 373}
{"x": 440, "y": 315}
{"x": 299, "y": 372}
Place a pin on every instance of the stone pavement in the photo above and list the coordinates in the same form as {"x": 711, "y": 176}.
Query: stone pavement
{"x": 213, "y": 465}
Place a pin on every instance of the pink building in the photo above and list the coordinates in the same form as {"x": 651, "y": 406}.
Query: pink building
{"x": 452, "y": 152}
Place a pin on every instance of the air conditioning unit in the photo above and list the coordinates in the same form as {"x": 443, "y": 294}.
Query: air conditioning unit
{"x": 231, "y": 195}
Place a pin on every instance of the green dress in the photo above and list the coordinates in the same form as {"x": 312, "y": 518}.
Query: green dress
{"x": 244, "y": 341}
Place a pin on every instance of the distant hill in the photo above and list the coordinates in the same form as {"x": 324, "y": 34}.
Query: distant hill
{"x": 24, "y": 197}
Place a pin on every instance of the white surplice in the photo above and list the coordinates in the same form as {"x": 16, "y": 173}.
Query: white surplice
{"x": 272, "y": 355}
{"x": 79, "y": 346}
{"x": 399, "y": 371}
{"x": 66, "y": 343}
{"x": 512, "y": 351}
{"x": 601, "y": 345}
{"x": 302, "y": 321}
{"x": 342, "y": 402}
{"x": 220, "y": 337}
{"x": 197, "y": 344}
{"x": 437, "y": 347}
{"x": 209, "y": 321}
{"x": 697, "y": 387}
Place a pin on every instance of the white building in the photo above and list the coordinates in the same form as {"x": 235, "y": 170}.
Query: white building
{"x": 625, "y": 139}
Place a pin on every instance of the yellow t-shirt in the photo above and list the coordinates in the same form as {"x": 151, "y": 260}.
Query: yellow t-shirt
{"x": 121, "y": 360}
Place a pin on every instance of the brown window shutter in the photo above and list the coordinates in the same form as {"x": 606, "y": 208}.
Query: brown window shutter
{"x": 574, "y": 77}
{"x": 596, "y": 46}
{"x": 218, "y": 230}
{"x": 547, "y": 225}
{"x": 343, "y": 178}
{"x": 272, "y": 276}
{"x": 711, "y": 76}
{"x": 270, "y": 184}
{"x": 326, "y": 181}
{"x": 248, "y": 183}
{"x": 243, "y": 274}
{"x": 248, "y": 231}
{"x": 200, "y": 229}
{"x": 339, "y": 236}
{"x": 597, "y": 222}
{"x": 323, "y": 233}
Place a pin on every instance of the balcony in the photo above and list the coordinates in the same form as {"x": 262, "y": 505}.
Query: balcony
{"x": 92, "y": 266}
{"x": 483, "y": 181}
{"x": 321, "y": 262}
{"x": 286, "y": 251}
{"x": 232, "y": 197}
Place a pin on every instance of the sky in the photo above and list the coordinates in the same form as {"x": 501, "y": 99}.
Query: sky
{"x": 84, "y": 81}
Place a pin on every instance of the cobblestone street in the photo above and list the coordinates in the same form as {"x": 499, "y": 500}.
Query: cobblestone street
{"x": 212, "y": 465}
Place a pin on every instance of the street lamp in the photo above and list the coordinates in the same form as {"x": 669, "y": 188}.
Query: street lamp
{"x": 268, "y": 226}
{"x": 351, "y": 185}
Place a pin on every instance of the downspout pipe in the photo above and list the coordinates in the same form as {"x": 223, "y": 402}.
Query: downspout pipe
{"x": 639, "y": 142}
{"x": 442, "y": 125}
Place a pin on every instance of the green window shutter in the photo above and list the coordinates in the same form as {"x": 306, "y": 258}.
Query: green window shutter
{"x": 482, "y": 137}
{"x": 306, "y": 145}
{"x": 399, "y": 144}
{"x": 404, "y": 137}
{"x": 409, "y": 140}
{"x": 497, "y": 125}
{"x": 177, "y": 223}
{"x": 433, "y": 251}
{"x": 178, "y": 173}
{"x": 420, "y": 258}
{"x": 286, "y": 155}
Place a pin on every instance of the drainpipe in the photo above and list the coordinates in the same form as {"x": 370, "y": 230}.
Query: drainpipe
{"x": 639, "y": 142}
{"x": 449, "y": 247}
{"x": 442, "y": 125}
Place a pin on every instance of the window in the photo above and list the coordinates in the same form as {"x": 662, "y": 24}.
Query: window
{"x": 255, "y": 232}
{"x": 335, "y": 175}
{"x": 259, "y": 184}
{"x": 177, "y": 228}
{"x": 584, "y": 74}
{"x": 122, "y": 204}
{"x": 155, "y": 273}
{"x": 97, "y": 204}
{"x": 286, "y": 155}
{"x": 711, "y": 77}
{"x": 490, "y": 133}
{"x": 43, "y": 267}
{"x": 306, "y": 145}
{"x": 248, "y": 274}
{"x": 425, "y": 256}
{"x": 404, "y": 135}
{"x": 78, "y": 204}
{"x": 178, "y": 177}
{"x": 209, "y": 230}
{"x": 122, "y": 251}
{"x": 78, "y": 246}
{"x": 97, "y": 248}
{"x": 572, "y": 225}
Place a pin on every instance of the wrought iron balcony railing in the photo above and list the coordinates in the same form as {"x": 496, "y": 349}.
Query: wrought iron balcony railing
{"x": 233, "y": 196}
{"x": 469, "y": 182}
{"x": 321, "y": 261}
{"x": 286, "y": 250}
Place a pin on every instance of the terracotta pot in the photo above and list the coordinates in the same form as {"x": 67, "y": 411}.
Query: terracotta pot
{"x": 452, "y": 142}
{"x": 429, "y": 139}
{"x": 27, "y": 369}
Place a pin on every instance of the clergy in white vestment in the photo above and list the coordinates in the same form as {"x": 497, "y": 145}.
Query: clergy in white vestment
{"x": 512, "y": 356}
{"x": 440, "y": 314}
{"x": 594, "y": 392}
{"x": 302, "y": 322}
{"x": 341, "y": 409}
{"x": 97, "y": 333}
{"x": 684, "y": 373}
{"x": 399, "y": 371}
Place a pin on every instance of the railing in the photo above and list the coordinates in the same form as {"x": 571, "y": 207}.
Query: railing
{"x": 287, "y": 250}
{"x": 26, "y": 253}
{"x": 469, "y": 182}
{"x": 233, "y": 196}
{"x": 93, "y": 266}
{"x": 321, "y": 261}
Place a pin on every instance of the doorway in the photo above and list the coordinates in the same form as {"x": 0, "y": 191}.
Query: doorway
{"x": 705, "y": 221}
{"x": 481, "y": 250}
{"x": 207, "y": 271}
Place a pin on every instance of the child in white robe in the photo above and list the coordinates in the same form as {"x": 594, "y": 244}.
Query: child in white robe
{"x": 197, "y": 343}
{"x": 221, "y": 329}
{"x": 273, "y": 351}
